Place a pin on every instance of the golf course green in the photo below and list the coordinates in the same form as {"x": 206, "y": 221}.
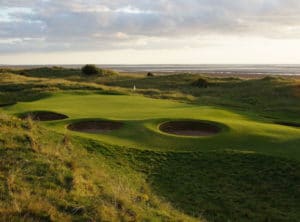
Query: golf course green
{"x": 142, "y": 116}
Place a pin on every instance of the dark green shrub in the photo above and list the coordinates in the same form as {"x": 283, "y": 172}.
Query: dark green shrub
{"x": 90, "y": 70}
{"x": 201, "y": 83}
{"x": 150, "y": 74}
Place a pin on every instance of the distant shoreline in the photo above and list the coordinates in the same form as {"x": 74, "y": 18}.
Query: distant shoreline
{"x": 235, "y": 70}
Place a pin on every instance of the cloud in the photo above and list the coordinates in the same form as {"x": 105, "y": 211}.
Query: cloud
{"x": 51, "y": 25}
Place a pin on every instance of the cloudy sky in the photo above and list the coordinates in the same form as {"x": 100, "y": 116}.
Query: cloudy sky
{"x": 149, "y": 31}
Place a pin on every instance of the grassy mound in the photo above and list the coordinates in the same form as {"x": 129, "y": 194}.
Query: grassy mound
{"x": 46, "y": 176}
{"x": 50, "y": 72}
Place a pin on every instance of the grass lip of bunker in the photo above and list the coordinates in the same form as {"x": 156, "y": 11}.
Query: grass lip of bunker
{"x": 95, "y": 126}
{"x": 291, "y": 124}
{"x": 43, "y": 116}
{"x": 7, "y": 104}
{"x": 194, "y": 128}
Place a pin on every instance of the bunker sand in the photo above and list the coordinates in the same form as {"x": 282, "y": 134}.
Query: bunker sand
{"x": 44, "y": 116}
{"x": 189, "y": 128}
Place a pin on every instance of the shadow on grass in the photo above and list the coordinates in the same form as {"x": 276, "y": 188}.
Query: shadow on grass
{"x": 230, "y": 186}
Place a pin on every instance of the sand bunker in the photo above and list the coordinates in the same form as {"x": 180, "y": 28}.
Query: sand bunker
{"x": 44, "y": 116}
{"x": 189, "y": 128}
{"x": 95, "y": 126}
{"x": 288, "y": 124}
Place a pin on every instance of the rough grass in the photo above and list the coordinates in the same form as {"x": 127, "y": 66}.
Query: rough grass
{"x": 42, "y": 179}
{"x": 49, "y": 72}
{"x": 15, "y": 88}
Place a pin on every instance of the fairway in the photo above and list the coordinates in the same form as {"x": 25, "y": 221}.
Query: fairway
{"x": 141, "y": 118}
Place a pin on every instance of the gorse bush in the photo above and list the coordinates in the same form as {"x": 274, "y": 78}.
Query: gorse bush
{"x": 91, "y": 70}
{"x": 201, "y": 83}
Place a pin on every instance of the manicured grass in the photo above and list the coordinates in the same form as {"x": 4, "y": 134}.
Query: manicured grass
{"x": 142, "y": 117}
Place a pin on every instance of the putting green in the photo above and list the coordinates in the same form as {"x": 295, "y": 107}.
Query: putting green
{"x": 141, "y": 117}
